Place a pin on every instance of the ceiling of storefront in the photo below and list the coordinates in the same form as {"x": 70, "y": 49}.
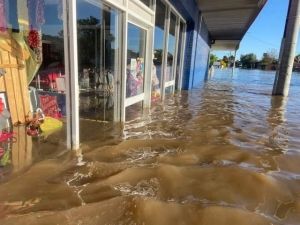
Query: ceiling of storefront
{"x": 229, "y": 19}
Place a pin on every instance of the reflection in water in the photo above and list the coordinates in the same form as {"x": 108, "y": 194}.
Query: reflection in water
{"x": 218, "y": 155}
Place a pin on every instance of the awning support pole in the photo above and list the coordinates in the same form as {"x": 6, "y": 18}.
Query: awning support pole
{"x": 288, "y": 48}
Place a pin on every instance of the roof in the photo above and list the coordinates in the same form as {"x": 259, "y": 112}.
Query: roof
{"x": 228, "y": 20}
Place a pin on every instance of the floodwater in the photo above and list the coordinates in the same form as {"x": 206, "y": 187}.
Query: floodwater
{"x": 224, "y": 154}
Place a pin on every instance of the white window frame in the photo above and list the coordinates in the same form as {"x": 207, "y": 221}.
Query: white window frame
{"x": 172, "y": 83}
{"x": 128, "y": 9}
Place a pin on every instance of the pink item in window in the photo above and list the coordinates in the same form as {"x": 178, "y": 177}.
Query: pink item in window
{"x": 3, "y": 22}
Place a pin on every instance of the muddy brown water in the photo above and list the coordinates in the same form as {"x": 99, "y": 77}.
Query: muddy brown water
{"x": 226, "y": 153}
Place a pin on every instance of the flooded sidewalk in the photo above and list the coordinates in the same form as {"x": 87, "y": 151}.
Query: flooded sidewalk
{"x": 227, "y": 153}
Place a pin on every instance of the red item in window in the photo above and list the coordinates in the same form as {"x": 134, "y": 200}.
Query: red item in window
{"x": 49, "y": 106}
{"x": 34, "y": 39}
{"x": 7, "y": 136}
{"x": 52, "y": 77}
{"x": 1, "y": 106}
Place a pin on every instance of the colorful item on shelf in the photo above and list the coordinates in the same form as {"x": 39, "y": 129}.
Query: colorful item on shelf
{"x": 6, "y": 136}
{"x": 1, "y": 105}
{"x": 4, "y": 113}
{"x": 34, "y": 42}
{"x": 3, "y": 22}
{"x": 33, "y": 125}
{"x": 50, "y": 125}
{"x": 49, "y": 106}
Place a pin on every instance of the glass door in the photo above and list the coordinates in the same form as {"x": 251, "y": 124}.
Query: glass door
{"x": 171, "y": 55}
{"x": 98, "y": 59}
{"x": 98, "y": 37}
{"x": 135, "y": 70}
{"x": 159, "y": 50}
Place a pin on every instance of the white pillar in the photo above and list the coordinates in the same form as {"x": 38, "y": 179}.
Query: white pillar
{"x": 71, "y": 71}
{"x": 288, "y": 48}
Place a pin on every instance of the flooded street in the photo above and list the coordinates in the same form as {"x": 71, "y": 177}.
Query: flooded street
{"x": 224, "y": 154}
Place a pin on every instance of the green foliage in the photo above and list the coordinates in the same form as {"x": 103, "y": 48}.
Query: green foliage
{"x": 248, "y": 61}
{"x": 213, "y": 59}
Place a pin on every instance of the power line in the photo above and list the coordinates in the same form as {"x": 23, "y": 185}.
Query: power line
{"x": 262, "y": 41}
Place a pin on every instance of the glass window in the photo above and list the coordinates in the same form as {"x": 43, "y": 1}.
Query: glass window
{"x": 98, "y": 59}
{"x": 148, "y": 3}
{"x": 32, "y": 54}
{"x": 38, "y": 28}
{"x": 160, "y": 17}
{"x": 135, "y": 60}
{"x": 171, "y": 48}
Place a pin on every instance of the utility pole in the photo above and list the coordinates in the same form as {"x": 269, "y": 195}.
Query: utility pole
{"x": 288, "y": 48}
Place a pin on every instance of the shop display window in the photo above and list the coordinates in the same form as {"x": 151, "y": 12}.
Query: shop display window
{"x": 171, "y": 49}
{"x": 32, "y": 52}
{"x": 136, "y": 52}
{"x": 98, "y": 59}
{"x": 159, "y": 33}
{"x": 32, "y": 81}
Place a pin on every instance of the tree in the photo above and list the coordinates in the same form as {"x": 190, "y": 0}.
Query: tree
{"x": 231, "y": 60}
{"x": 269, "y": 60}
{"x": 225, "y": 61}
{"x": 213, "y": 59}
{"x": 87, "y": 29}
{"x": 248, "y": 61}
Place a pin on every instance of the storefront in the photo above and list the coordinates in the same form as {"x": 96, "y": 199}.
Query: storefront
{"x": 85, "y": 61}
{"x": 134, "y": 57}
{"x": 32, "y": 69}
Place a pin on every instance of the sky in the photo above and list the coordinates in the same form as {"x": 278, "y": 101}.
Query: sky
{"x": 266, "y": 32}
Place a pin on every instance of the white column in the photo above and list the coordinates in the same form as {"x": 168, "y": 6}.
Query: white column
{"x": 288, "y": 48}
{"x": 71, "y": 70}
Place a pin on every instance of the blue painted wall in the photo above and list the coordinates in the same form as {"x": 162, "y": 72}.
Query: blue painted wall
{"x": 197, "y": 44}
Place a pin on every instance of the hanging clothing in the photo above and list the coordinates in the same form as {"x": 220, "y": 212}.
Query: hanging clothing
{"x": 60, "y": 10}
{"x": 40, "y": 7}
{"x": 13, "y": 16}
{"x": 3, "y": 22}
{"x": 36, "y": 13}
{"x": 23, "y": 16}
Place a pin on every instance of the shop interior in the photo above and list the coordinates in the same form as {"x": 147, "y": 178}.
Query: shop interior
{"x": 32, "y": 82}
